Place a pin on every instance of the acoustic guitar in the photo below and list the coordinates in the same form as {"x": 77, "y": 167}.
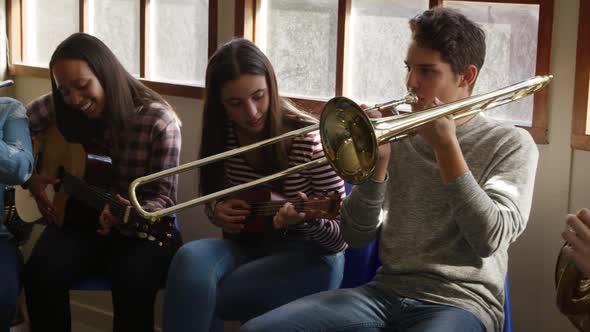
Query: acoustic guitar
{"x": 84, "y": 174}
{"x": 266, "y": 203}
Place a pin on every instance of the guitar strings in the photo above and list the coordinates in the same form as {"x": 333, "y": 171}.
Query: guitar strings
{"x": 117, "y": 208}
{"x": 114, "y": 205}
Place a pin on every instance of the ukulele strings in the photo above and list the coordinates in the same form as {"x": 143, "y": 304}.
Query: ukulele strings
{"x": 270, "y": 208}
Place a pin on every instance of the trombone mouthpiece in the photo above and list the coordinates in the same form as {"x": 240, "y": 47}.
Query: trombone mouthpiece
{"x": 410, "y": 98}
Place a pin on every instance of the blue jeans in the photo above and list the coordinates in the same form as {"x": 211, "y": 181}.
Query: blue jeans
{"x": 365, "y": 309}
{"x": 10, "y": 265}
{"x": 215, "y": 279}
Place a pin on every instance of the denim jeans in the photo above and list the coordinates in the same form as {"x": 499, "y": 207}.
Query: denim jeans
{"x": 10, "y": 265}
{"x": 216, "y": 279}
{"x": 365, "y": 309}
{"x": 62, "y": 256}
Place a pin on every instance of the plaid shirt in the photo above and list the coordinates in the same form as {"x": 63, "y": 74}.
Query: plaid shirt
{"x": 150, "y": 144}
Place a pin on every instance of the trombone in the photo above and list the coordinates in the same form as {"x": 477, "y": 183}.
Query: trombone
{"x": 349, "y": 137}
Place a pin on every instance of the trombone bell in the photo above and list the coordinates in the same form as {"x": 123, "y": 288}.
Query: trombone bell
{"x": 349, "y": 141}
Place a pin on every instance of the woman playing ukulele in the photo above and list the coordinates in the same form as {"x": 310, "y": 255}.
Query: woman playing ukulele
{"x": 238, "y": 278}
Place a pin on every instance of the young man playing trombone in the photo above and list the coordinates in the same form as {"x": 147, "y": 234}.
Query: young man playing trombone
{"x": 448, "y": 203}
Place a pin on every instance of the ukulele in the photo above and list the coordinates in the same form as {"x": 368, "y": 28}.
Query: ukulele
{"x": 85, "y": 175}
{"x": 266, "y": 203}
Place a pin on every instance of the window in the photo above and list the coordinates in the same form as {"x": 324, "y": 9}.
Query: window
{"x": 511, "y": 41}
{"x": 300, "y": 41}
{"x": 107, "y": 19}
{"x": 46, "y": 24}
{"x": 356, "y": 48}
{"x": 379, "y": 36}
{"x": 177, "y": 44}
{"x": 166, "y": 43}
{"x": 581, "y": 121}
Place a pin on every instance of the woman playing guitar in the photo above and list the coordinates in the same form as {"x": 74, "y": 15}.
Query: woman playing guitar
{"x": 95, "y": 101}
{"x": 255, "y": 268}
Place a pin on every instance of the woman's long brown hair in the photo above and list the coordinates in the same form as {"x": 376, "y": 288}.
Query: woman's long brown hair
{"x": 123, "y": 93}
{"x": 236, "y": 58}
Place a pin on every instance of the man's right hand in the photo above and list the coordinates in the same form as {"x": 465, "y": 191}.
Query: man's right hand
{"x": 384, "y": 152}
{"x": 36, "y": 185}
{"x": 230, "y": 215}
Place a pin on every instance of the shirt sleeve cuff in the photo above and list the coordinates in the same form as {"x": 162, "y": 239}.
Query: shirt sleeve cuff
{"x": 372, "y": 190}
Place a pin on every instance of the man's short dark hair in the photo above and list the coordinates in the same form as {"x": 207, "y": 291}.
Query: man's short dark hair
{"x": 459, "y": 41}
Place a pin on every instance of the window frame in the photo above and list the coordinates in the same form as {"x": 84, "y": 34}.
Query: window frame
{"x": 579, "y": 139}
{"x": 15, "y": 20}
{"x": 245, "y": 26}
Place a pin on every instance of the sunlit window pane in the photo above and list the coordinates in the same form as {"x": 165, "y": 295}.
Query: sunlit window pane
{"x": 299, "y": 37}
{"x": 511, "y": 39}
{"x": 179, "y": 40}
{"x": 379, "y": 37}
{"x": 116, "y": 23}
{"x": 46, "y": 24}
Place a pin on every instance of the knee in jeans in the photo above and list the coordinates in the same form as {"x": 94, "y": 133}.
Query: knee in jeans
{"x": 7, "y": 309}
{"x": 192, "y": 253}
{"x": 252, "y": 326}
{"x": 36, "y": 272}
{"x": 189, "y": 265}
{"x": 266, "y": 323}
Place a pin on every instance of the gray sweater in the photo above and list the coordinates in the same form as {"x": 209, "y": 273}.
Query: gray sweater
{"x": 442, "y": 243}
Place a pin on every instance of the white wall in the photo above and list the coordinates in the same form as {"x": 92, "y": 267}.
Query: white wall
{"x": 560, "y": 186}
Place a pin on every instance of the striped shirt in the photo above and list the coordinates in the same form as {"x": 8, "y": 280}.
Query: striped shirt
{"x": 150, "y": 144}
{"x": 312, "y": 181}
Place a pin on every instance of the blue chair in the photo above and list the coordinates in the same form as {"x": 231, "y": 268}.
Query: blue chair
{"x": 362, "y": 263}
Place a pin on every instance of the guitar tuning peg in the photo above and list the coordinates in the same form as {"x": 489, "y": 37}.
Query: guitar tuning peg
{"x": 151, "y": 238}
{"x": 160, "y": 244}
{"x": 168, "y": 235}
{"x": 142, "y": 235}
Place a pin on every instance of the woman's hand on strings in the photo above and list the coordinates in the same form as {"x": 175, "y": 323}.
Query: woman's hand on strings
{"x": 288, "y": 215}
{"x": 107, "y": 220}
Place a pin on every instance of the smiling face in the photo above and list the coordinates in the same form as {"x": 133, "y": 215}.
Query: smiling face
{"x": 246, "y": 102}
{"x": 80, "y": 88}
{"x": 429, "y": 77}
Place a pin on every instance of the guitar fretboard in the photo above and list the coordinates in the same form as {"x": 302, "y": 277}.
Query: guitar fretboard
{"x": 92, "y": 196}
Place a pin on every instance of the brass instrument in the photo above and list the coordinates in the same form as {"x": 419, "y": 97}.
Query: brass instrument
{"x": 350, "y": 138}
{"x": 573, "y": 293}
